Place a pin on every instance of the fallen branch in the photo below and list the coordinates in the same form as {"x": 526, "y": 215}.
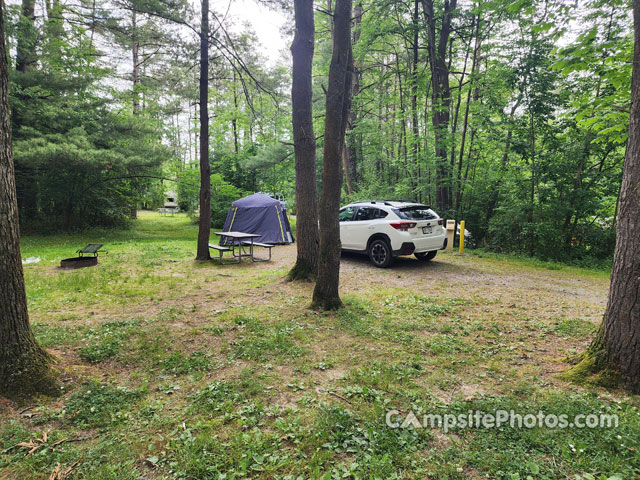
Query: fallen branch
{"x": 24, "y": 410}
{"x": 59, "y": 474}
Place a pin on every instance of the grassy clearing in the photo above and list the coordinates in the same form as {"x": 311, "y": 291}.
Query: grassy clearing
{"x": 174, "y": 369}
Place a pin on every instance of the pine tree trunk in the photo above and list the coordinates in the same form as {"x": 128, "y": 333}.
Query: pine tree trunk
{"x": 354, "y": 141}
{"x": 24, "y": 366}
{"x": 338, "y": 104}
{"x": 618, "y": 342}
{"x": 307, "y": 234}
{"x": 441, "y": 96}
{"x": 415, "y": 132}
{"x": 26, "y": 48}
{"x": 135, "y": 50}
{"x": 204, "y": 225}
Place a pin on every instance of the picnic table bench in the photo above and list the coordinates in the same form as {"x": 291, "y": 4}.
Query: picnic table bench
{"x": 220, "y": 249}
{"x": 268, "y": 246}
{"x": 91, "y": 249}
{"x": 241, "y": 246}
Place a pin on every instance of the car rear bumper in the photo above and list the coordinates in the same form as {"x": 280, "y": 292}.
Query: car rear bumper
{"x": 421, "y": 245}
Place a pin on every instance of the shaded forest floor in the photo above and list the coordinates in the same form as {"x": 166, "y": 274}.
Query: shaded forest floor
{"x": 185, "y": 370}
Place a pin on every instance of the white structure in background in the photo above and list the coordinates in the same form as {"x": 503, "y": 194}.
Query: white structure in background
{"x": 170, "y": 205}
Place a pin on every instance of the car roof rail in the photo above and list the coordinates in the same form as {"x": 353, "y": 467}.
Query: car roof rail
{"x": 401, "y": 200}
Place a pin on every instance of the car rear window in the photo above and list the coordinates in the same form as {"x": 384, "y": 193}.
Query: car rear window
{"x": 416, "y": 212}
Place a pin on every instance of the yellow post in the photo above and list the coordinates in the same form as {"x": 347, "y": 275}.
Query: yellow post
{"x": 462, "y": 236}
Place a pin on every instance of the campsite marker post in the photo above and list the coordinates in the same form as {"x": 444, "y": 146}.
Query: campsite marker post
{"x": 451, "y": 233}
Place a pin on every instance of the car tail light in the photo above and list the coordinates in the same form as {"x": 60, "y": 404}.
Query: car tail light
{"x": 404, "y": 226}
{"x": 441, "y": 221}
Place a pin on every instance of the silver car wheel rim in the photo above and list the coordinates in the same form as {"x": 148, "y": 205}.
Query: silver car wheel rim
{"x": 379, "y": 253}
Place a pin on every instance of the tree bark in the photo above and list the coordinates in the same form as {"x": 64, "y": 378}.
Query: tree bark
{"x": 338, "y": 104}
{"x": 354, "y": 140}
{"x": 617, "y": 344}
{"x": 26, "y": 49}
{"x": 441, "y": 95}
{"x": 24, "y": 365}
{"x": 306, "y": 266}
{"x": 204, "y": 225}
{"x": 415, "y": 137}
{"x": 234, "y": 120}
{"x": 532, "y": 191}
{"x": 475, "y": 66}
{"x": 135, "y": 49}
{"x": 54, "y": 29}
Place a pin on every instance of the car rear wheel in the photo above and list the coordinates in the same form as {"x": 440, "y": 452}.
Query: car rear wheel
{"x": 380, "y": 253}
{"x": 426, "y": 256}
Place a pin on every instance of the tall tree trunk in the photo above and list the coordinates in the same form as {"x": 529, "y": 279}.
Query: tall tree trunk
{"x": 234, "y": 120}
{"x": 325, "y": 294}
{"x": 441, "y": 95}
{"x": 532, "y": 190}
{"x": 304, "y": 140}
{"x": 54, "y": 28}
{"x": 135, "y": 48}
{"x": 415, "y": 137}
{"x": 24, "y": 366}
{"x": 26, "y": 49}
{"x": 204, "y": 226}
{"x": 402, "y": 146}
{"x": 617, "y": 344}
{"x": 354, "y": 140}
{"x": 475, "y": 67}
{"x": 345, "y": 167}
{"x": 454, "y": 127}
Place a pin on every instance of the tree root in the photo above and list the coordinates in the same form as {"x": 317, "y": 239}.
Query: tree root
{"x": 301, "y": 273}
{"x": 592, "y": 368}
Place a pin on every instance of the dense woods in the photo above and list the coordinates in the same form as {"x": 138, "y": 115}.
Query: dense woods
{"x": 518, "y": 118}
{"x": 510, "y": 115}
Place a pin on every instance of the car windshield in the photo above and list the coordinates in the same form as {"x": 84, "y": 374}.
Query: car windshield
{"x": 415, "y": 212}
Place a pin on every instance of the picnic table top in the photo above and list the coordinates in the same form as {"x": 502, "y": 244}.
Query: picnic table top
{"x": 237, "y": 234}
{"x": 91, "y": 248}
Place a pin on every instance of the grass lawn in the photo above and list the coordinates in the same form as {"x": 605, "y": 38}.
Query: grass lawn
{"x": 182, "y": 370}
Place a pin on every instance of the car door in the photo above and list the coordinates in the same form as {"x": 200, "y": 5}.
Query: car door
{"x": 363, "y": 226}
{"x": 346, "y": 223}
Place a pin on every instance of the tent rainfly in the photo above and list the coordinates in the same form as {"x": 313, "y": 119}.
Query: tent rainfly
{"x": 259, "y": 214}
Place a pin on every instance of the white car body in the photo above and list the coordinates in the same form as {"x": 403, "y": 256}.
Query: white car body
{"x": 393, "y": 222}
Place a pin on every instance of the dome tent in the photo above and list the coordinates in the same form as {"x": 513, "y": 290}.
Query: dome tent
{"x": 259, "y": 214}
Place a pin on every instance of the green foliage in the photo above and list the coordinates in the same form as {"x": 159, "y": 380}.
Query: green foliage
{"x": 222, "y": 195}
{"x": 97, "y": 404}
{"x": 105, "y": 341}
{"x": 257, "y": 340}
{"x": 78, "y": 162}
{"x": 582, "y": 448}
{"x": 181, "y": 364}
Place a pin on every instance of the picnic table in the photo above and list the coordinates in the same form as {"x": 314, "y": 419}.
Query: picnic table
{"x": 241, "y": 246}
{"x": 91, "y": 249}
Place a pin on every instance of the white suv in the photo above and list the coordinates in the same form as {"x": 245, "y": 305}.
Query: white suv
{"x": 386, "y": 228}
